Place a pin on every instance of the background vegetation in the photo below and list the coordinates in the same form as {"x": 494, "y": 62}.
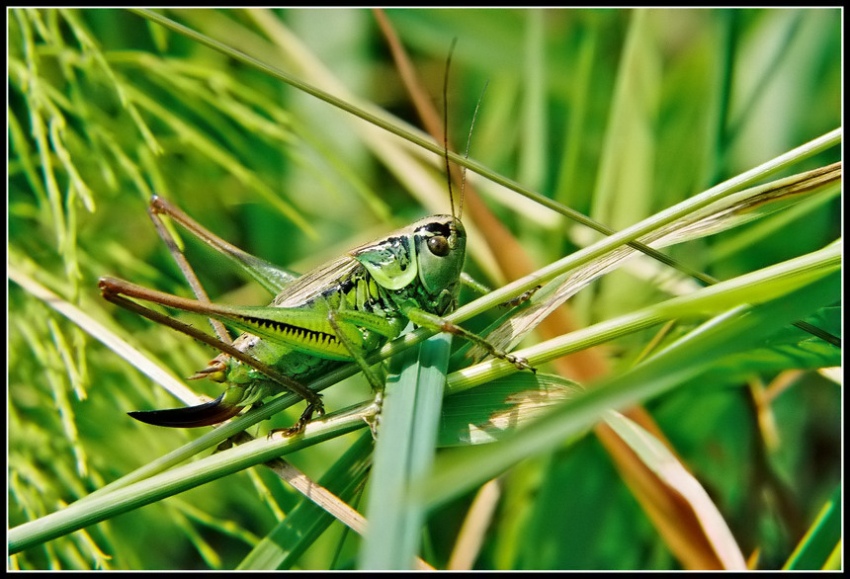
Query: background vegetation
{"x": 617, "y": 114}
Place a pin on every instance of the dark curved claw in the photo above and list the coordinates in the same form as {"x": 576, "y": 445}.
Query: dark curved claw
{"x": 205, "y": 414}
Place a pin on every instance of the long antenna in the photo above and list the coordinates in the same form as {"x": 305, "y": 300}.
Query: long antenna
{"x": 446, "y": 126}
{"x": 469, "y": 143}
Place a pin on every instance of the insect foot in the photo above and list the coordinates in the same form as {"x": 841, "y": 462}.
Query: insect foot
{"x": 293, "y": 430}
{"x": 374, "y": 420}
{"x": 520, "y": 299}
{"x": 520, "y": 363}
{"x": 312, "y": 408}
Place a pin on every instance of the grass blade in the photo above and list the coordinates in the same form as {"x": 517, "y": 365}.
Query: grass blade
{"x": 404, "y": 454}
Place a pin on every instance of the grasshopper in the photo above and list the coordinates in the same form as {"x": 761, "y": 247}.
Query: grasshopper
{"x": 337, "y": 313}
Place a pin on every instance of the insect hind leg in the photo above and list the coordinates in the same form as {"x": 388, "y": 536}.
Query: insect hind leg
{"x": 157, "y": 207}
{"x": 272, "y": 277}
{"x": 114, "y": 290}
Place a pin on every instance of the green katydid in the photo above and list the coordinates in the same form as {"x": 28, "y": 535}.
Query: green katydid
{"x": 337, "y": 313}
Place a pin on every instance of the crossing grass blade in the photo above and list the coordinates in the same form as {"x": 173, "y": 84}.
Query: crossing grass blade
{"x": 284, "y": 545}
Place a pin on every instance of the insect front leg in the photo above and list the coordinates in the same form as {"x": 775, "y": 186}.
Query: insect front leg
{"x": 387, "y": 328}
{"x": 435, "y": 322}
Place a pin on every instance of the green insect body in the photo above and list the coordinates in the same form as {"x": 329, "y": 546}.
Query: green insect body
{"x": 351, "y": 305}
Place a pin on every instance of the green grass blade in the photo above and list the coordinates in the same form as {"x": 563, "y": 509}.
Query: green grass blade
{"x": 825, "y": 535}
{"x": 126, "y": 498}
{"x": 753, "y": 288}
{"x": 404, "y": 454}
{"x": 484, "y": 415}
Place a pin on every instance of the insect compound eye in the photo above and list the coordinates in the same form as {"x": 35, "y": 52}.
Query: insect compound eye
{"x": 438, "y": 245}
